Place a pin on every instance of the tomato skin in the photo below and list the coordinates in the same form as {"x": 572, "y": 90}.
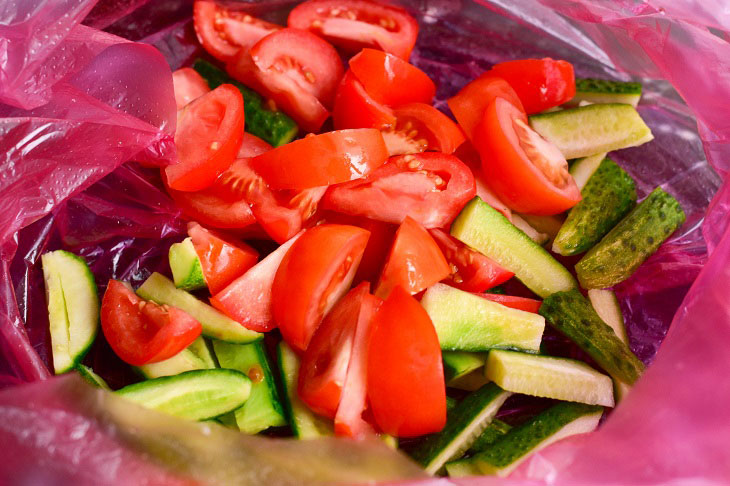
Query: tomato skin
{"x": 316, "y": 271}
{"x": 414, "y": 263}
{"x": 405, "y": 377}
{"x": 390, "y": 80}
{"x": 365, "y": 30}
{"x": 442, "y": 134}
{"x": 355, "y": 108}
{"x": 521, "y": 303}
{"x": 322, "y": 160}
{"x": 223, "y": 32}
{"x": 540, "y": 83}
{"x": 142, "y": 332}
{"x": 222, "y": 260}
{"x": 468, "y": 105}
{"x": 208, "y": 136}
{"x": 400, "y": 188}
{"x": 512, "y": 176}
{"x": 188, "y": 85}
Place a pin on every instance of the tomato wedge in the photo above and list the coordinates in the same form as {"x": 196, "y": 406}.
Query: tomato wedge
{"x": 188, "y": 86}
{"x": 142, "y": 332}
{"x": 429, "y": 187}
{"x": 540, "y": 83}
{"x": 354, "y": 108}
{"x": 405, "y": 376}
{"x": 414, "y": 263}
{"x": 248, "y": 298}
{"x": 354, "y": 24}
{"x": 223, "y": 32}
{"x": 526, "y": 172}
{"x": 468, "y": 105}
{"x": 470, "y": 270}
{"x": 209, "y": 134}
{"x": 391, "y": 80}
{"x": 221, "y": 259}
{"x": 521, "y": 303}
{"x": 321, "y": 160}
{"x": 316, "y": 271}
{"x": 469, "y": 155}
{"x": 422, "y": 127}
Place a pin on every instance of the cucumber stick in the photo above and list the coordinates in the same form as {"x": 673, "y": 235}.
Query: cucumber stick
{"x": 605, "y": 91}
{"x": 201, "y": 348}
{"x": 511, "y": 449}
{"x": 193, "y": 395}
{"x": 494, "y": 431}
{"x": 489, "y": 232}
{"x": 304, "y": 423}
{"x": 73, "y": 307}
{"x": 465, "y": 424}
{"x": 458, "y": 364}
{"x": 631, "y": 241}
{"x": 187, "y": 273}
{"x": 468, "y": 322}
{"x": 183, "y": 361}
{"x": 470, "y": 382}
{"x": 607, "y": 197}
{"x": 592, "y": 129}
{"x": 582, "y": 169}
{"x": 548, "y": 377}
{"x": 90, "y": 377}
{"x": 216, "y": 325}
{"x": 263, "y": 408}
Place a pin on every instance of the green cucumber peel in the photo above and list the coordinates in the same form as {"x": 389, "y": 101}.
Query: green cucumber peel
{"x": 605, "y": 91}
{"x": 187, "y": 273}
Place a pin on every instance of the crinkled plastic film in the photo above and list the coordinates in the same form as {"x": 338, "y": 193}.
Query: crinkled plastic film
{"x": 76, "y": 103}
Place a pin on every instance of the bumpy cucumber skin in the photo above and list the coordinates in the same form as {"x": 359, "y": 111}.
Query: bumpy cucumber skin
{"x": 607, "y": 197}
{"x": 631, "y": 241}
{"x": 605, "y": 86}
{"x": 494, "y": 431}
{"x": 274, "y": 127}
{"x": 574, "y": 316}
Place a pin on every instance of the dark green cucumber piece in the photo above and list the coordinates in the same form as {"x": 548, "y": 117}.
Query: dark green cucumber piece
{"x": 73, "y": 307}
{"x": 90, "y": 377}
{"x": 272, "y": 126}
{"x": 507, "y": 452}
{"x": 263, "y": 408}
{"x": 451, "y": 403}
{"x": 486, "y": 230}
{"x": 193, "y": 395}
{"x": 607, "y": 197}
{"x": 605, "y": 91}
{"x": 494, "y": 431}
{"x": 187, "y": 273}
{"x": 574, "y": 316}
{"x": 631, "y": 241}
{"x": 464, "y": 425}
{"x": 460, "y": 363}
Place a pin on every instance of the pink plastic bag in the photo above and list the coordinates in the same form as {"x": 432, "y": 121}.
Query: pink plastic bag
{"x": 79, "y": 102}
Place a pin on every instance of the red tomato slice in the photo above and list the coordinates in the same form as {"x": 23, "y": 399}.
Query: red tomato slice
{"x": 222, "y": 260}
{"x": 354, "y": 24}
{"x": 540, "y": 83}
{"x": 209, "y": 134}
{"x": 405, "y": 376}
{"x": 188, "y": 86}
{"x": 470, "y": 270}
{"x": 422, "y": 127}
{"x": 223, "y": 32}
{"x": 469, "y": 155}
{"x": 321, "y": 160}
{"x": 248, "y": 298}
{"x": 354, "y": 108}
{"x": 521, "y": 303}
{"x": 526, "y": 171}
{"x": 469, "y": 104}
{"x": 316, "y": 271}
{"x": 391, "y": 80}
{"x": 430, "y": 187}
{"x": 141, "y": 331}
{"x": 414, "y": 263}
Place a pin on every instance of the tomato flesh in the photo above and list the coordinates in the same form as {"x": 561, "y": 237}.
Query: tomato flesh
{"x": 540, "y": 83}
{"x": 405, "y": 377}
{"x": 188, "y": 85}
{"x": 142, "y": 332}
{"x": 354, "y": 24}
{"x": 422, "y": 127}
{"x": 355, "y": 108}
{"x": 316, "y": 271}
{"x": 521, "y": 303}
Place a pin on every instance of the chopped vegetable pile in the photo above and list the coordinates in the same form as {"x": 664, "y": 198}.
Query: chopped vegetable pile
{"x": 382, "y": 310}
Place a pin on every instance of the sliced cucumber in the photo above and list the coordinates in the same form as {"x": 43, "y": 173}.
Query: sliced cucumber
{"x": 90, "y": 377}
{"x": 582, "y": 169}
{"x": 73, "y": 307}
{"x": 201, "y": 348}
{"x": 193, "y": 395}
{"x": 489, "y": 232}
{"x": 535, "y": 235}
{"x": 464, "y": 425}
{"x": 187, "y": 273}
{"x": 605, "y": 91}
{"x": 459, "y": 363}
{"x": 470, "y": 382}
{"x": 263, "y": 408}
{"x": 451, "y": 403}
{"x": 631, "y": 241}
{"x": 507, "y": 452}
{"x": 592, "y": 129}
{"x": 494, "y": 431}
{"x": 609, "y": 195}
{"x": 183, "y": 361}
{"x": 304, "y": 423}
{"x": 467, "y": 322}
{"x": 548, "y": 377}
{"x": 216, "y": 325}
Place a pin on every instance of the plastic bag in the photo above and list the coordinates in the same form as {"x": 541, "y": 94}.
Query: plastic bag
{"x": 76, "y": 107}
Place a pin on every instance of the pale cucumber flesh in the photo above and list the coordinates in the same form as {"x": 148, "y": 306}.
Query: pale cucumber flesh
{"x": 201, "y": 348}
{"x": 534, "y": 234}
{"x": 187, "y": 273}
{"x": 183, "y": 361}
{"x": 582, "y": 169}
